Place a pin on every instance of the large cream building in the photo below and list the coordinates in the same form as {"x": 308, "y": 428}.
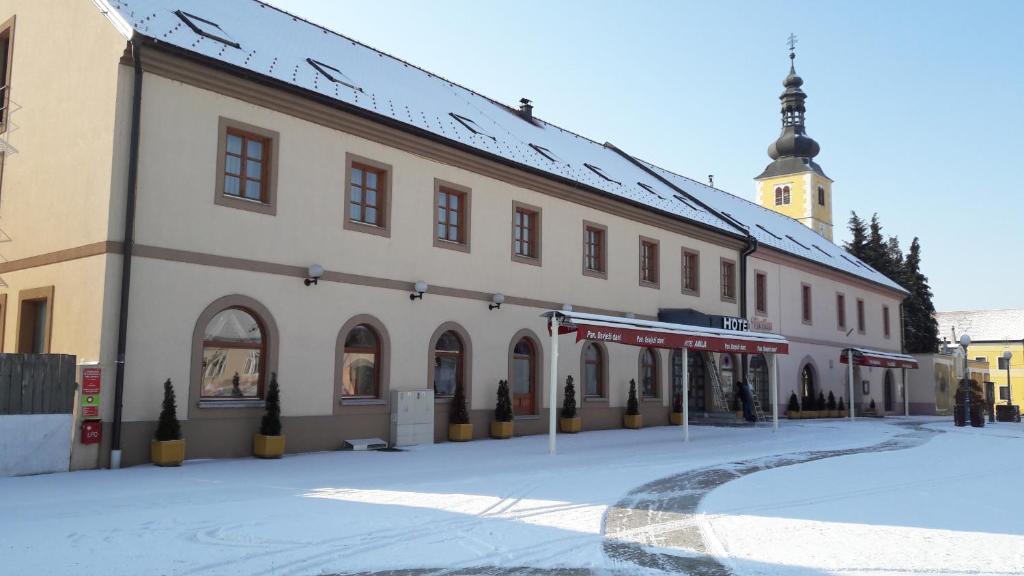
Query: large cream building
{"x": 173, "y": 168}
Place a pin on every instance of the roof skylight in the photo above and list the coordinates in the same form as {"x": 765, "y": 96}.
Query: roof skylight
{"x": 546, "y": 153}
{"x": 850, "y": 261}
{"x": 650, "y": 189}
{"x": 797, "y": 242}
{"x": 818, "y": 248}
{"x": 597, "y": 170}
{"x": 206, "y": 28}
{"x": 733, "y": 218}
{"x": 470, "y": 125}
{"x": 687, "y": 204}
{"x": 770, "y": 233}
{"x": 332, "y": 73}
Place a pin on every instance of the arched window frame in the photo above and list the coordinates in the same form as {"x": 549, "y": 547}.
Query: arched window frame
{"x": 466, "y": 375}
{"x": 363, "y": 404}
{"x": 374, "y": 350}
{"x": 535, "y": 368}
{"x": 649, "y": 360}
{"x": 602, "y": 371}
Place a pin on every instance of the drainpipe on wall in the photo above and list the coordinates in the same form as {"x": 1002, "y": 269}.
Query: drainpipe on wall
{"x": 126, "y": 258}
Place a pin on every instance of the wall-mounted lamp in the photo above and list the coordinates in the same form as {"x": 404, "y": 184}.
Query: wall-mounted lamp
{"x": 498, "y": 300}
{"x": 315, "y": 272}
{"x": 419, "y": 290}
{"x": 566, "y": 307}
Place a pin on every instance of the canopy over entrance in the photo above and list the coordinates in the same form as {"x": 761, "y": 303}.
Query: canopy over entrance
{"x": 864, "y": 357}
{"x": 652, "y": 334}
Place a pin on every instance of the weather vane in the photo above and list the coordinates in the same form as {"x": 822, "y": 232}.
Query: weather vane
{"x": 791, "y": 42}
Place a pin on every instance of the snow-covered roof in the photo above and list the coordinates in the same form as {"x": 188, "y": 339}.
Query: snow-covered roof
{"x": 265, "y": 40}
{"x": 982, "y": 325}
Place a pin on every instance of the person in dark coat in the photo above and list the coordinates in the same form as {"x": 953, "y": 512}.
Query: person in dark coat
{"x": 747, "y": 399}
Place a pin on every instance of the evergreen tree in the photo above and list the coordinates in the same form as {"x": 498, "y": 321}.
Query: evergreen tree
{"x": 458, "y": 413}
{"x": 831, "y": 404}
{"x": 841, "y": 406}
{"x": 503, "y": 410}
{"x": 569, "y": 402}
{"x": 808, "y": 404}
{"x": 632, "y": 405}
{"x": 921, "y": 331}
{"x": 168, "y": 427}
{"x": 821, "y": 404}
{"x": 859, "y": 236}
{"x": 876, "y": 251}
{"x": 794, "y": 404}
{"x": 271, "y": 423}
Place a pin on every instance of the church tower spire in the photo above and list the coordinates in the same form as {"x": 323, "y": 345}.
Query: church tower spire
{"x": 793, "y": 183}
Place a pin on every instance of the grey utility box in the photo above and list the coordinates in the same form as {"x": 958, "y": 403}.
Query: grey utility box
{"x": 412, "y": 417}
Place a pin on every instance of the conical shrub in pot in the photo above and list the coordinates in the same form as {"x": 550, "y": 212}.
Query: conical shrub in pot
{"x": 501, "y": 426}
{"x": 459, "y": 427}
{"x": 269, "y": 443}
{"x": 830, "y": 405}
{"x": 632, "y": 419}
{"x": 168, "y": 447}
{"x": 570, "y": 422}
{"x": 793, "y": 409}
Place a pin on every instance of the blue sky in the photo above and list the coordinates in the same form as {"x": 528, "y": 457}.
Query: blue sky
{"x": 918, "y": 106}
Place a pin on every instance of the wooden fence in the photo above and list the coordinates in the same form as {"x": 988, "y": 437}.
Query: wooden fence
{"x": 37, "y": 383}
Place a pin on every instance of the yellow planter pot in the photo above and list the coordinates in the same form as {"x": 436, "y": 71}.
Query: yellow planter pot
{"x": 633, "y": 422}
{"x": 500, "y": 430}
{"x": 676, "y": 418}
{"x": 167, "y": 452}
{"x": 460, "y": 432}
{"x": 267, "y": 446}
{"x": 808, "y": 413}
{"x": 844, "y": 413}
{"x": 793, "y": 415}
{"x": 833, "y": 413}
{"x": 570, "y": 425}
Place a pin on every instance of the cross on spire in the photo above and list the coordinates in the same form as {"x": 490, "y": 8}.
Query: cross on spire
{"x": 791, "y": 42}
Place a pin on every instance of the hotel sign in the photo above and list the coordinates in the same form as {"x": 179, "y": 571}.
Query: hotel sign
{"x": 674, "y": 341}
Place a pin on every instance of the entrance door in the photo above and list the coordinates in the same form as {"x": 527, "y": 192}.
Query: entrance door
{"x": 890, "y": 393}
{"x": 524, "y": 378}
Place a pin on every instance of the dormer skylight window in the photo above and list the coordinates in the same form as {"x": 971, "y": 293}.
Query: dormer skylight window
{"x": 546, "y": 153}
{"x": 650, "y": 189}
{"x": 797, "y": 242}
{"x": 769, "y": 232}
{"x": 857, "y": 264}
{"x": 206, "y": 28}
{"x": 597, "y": 170}
{"x": 685, "y": 203}
{"x": 332, "y": 74}
{"x": 818, "y": 248}
{"x": 470, "y": 125}
{"x": 733, "y": 218}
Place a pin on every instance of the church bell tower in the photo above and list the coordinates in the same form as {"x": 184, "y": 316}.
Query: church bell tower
{"x": 793, "y": 184}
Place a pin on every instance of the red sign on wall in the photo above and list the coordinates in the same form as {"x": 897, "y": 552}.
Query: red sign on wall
{"x": 92, "y": 432}
{"x": 655, "y": 339}
{"x": 91, "y": 378}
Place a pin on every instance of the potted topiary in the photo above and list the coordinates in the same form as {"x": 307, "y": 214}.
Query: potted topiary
{"x": 570, "y": 422}
{"x": 269, "y": 443}
{"x": 808, "y": 407}
{"x": 841, "y": 408}
{"x": 632, "y": 419}
{"x": 872, "y": 409}
{"x": 501, "y": 426}
{"x": 168, "y": 447}
{"x": 833, "y": 412}
{"x": 793, "y": 409}
{"x": 676, "y": 416}
{"x": 459, "y": 427}
{"x": 821, "y": 405}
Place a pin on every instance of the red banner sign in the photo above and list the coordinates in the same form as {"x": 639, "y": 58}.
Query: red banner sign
{"x": 878, "y": 361}
{"x": 91, "y": 380}
{"x": 652, "y": 339}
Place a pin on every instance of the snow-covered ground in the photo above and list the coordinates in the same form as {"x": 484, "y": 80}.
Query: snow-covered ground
{"x": 950, "y": 506}
{"x": 508, "y": 503}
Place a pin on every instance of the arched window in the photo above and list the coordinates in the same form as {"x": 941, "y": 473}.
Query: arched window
{"x": 449, "y": 362}
{"x": 524, "y": 377}
{"x": 778, "y": 195}
{"x": 361, "y": 363}
{"x": 697, "y": 371}
{"x": 233, "y": 351}
{"x": 807, "y": 382}
{"x": 593, "y": 371}
{"x": 649, "y": 385}
{"x": 890, "y": 391}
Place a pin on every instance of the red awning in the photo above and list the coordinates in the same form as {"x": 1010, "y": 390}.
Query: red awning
{"x": 862, "y": 357}
{"x": 650, "y": 334}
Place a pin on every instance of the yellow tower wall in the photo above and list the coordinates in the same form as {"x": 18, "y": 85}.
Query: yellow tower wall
{"x": 803, "y": 205}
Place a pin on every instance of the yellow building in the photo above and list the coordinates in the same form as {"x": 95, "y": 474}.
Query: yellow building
{"x": 794, "y": 184}
{"x": 993, "y": 333}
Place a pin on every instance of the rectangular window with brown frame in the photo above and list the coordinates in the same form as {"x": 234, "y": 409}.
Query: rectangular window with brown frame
{"x": 860, "y": 316}
{"x": 650, "y": 268}
{"x": 367, "y": 196}
{"x": 760, "y": 293}
{"x": 526, "y": 237}
{"x": 35, "y": 321}
{"x": 728, "y": 280}
{"x": 246, "y": 167}
{"x": 451, "y": 217}
{"x": 806, "y": 308}
{"x": 595, "y": 250}
{"x": 6, "y": 65}
{"x": 885, "y": 321}
{"x": 840, "y": 311}
{"x": 691, "y": 272}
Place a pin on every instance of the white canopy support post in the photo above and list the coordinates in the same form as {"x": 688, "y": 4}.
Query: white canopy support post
{"x": 773, "y": 382}
{"x": 686, "y": 395}
{"x": 851, "y": 404}
{"x": 906, "y": 394}
{"x": 552, "y": 384}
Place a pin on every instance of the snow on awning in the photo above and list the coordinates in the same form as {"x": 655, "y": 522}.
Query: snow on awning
{"x": 864, "y": 357}
{"x": 651, "y": 334}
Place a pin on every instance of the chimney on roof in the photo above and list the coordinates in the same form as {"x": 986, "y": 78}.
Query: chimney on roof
{"x": 711, "y": 180}
{"x": 526, "y": 109}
